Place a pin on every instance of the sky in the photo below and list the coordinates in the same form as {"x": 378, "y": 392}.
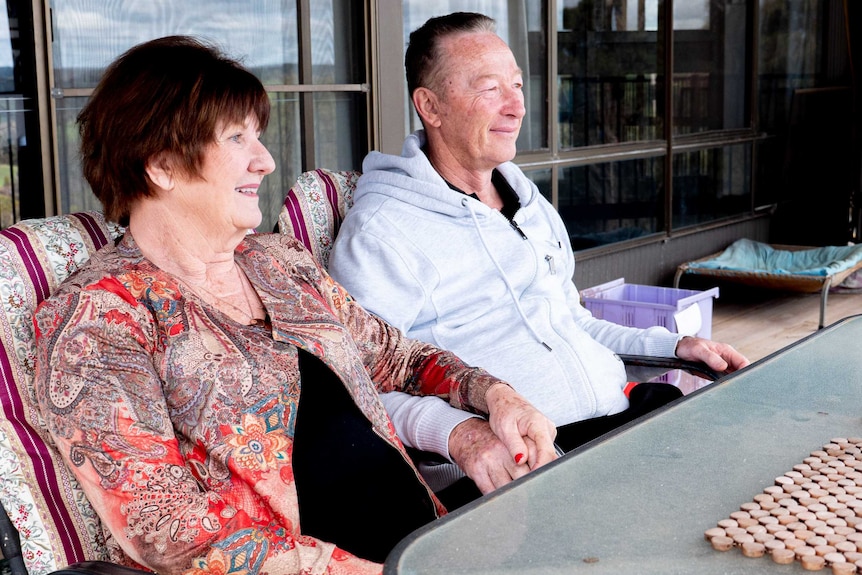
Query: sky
{"x": 5, "y": 41}
{"x": 91, "y": 33}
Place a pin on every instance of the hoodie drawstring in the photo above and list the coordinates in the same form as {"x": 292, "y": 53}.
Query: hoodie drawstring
{"x": 467, "y": 204}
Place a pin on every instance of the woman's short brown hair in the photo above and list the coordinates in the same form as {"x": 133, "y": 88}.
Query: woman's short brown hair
{"x": 166, "y": 95}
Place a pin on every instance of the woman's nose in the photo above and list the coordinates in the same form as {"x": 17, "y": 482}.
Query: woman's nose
{"x": 263, "y": 161}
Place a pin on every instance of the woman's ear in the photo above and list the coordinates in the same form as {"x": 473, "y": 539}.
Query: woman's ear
{"x": 160, "y": 171}
{"x": 425, "y": 102}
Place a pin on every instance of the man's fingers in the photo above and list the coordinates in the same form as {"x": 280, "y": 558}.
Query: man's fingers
{"x": 540, "y": 444}
{"x": 484, "y": 482}
{"x": 719, "y": 356}
{"x": 494, "y": 476}
{"x": 716, "y": 362}
{"x": 544, "y": 456}
{"x": 545, "y": 453}
{"x": 511, "y": 438}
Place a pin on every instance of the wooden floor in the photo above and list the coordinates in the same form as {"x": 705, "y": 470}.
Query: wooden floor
{"x": 759, "y": 322}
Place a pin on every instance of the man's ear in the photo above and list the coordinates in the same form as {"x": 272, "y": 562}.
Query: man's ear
{"x": 425, "y": 102}
{"x": 159, "y": 171}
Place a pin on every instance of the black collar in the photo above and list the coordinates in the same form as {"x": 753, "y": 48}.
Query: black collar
{"x": 511, "y": 203}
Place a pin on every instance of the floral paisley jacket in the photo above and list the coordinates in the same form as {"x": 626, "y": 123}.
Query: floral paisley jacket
{"x": 178, "y": 421}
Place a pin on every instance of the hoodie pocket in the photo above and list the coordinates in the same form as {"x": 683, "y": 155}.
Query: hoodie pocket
{"x": 551, "y": 256}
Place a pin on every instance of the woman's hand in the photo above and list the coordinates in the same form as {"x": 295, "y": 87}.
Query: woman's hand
{"x": 527, "y": 434}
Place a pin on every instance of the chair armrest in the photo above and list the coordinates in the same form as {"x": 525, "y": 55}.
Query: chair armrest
{"x": 662, "y": 365}
{"x": 99, "y": 568}
{"x": 10, "y": 545}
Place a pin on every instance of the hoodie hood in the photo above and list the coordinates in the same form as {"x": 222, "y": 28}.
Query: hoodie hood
{"x": 410, "y": 177}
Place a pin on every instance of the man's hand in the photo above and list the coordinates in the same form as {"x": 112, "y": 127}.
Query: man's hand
{"x": 719, "y": 356}
{"x": 482, "y": 456}
{"x": 527, "y": 434}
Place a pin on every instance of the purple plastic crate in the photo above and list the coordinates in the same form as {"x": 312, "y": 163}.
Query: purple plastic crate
{"x": 647, "y": 306}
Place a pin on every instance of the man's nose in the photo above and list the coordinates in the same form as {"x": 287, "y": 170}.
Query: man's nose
{"x": 515, "y": 103}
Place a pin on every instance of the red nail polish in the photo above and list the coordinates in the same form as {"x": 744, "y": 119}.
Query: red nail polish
{"x": 519, "y": 458}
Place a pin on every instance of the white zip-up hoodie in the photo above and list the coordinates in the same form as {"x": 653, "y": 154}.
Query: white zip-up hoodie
{"x": 447, "y": 269}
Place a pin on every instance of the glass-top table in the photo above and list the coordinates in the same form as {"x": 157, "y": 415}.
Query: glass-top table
{"x": 640, "y": 500}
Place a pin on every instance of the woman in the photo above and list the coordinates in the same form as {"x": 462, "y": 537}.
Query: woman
{"x": 215, "y": 392}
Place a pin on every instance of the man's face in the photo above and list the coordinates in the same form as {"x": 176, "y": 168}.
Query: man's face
{"x": 481, "y": 103}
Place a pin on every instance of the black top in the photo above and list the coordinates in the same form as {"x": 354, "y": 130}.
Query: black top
{"x": 511, "y": 203}
{"x": 354, "y": 488}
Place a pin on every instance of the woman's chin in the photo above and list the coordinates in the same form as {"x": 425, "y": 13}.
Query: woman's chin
{"x": 250, "y": 223}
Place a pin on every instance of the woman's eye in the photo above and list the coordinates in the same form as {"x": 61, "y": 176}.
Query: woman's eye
{"x": 236, "y": 138}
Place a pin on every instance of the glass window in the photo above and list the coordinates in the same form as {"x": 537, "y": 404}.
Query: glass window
{"x": 89, "y": 34}
{"x": 711, "y": 184}
{"x": 789, "y": 64}
{"x": 283, "y": 138}
{"x": 21, "y": 189}
{"x": 337, "y": 51}
{"x": 609, "y": 73}
{"x": 13, "y": 146}
{"x": 709, "y": 75}
{"x": 75, "y": 195}
{"x": 611, "y": 202}
{"x": 521, "y": 23}
{"x": 789, "y": 56}
{"x": 340, "y": 139}
{"x": 542, "y": 179}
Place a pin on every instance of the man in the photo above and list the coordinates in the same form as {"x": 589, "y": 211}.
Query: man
{"x": 452, "y": 243}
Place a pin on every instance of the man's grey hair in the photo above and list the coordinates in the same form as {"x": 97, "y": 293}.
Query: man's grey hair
{"x": 423, "y": 57}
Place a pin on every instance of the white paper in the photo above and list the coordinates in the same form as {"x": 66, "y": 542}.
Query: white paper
{"x": 689, "y": 320}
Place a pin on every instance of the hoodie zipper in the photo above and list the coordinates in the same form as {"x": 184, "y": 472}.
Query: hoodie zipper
{"x": 518, "y": 229}
{"x": 467, "y": 204}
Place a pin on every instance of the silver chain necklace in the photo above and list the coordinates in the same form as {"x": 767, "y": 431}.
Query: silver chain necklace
{"x": 251, "y": 314}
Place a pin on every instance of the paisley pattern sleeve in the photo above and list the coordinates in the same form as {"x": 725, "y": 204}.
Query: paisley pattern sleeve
{"x": 396, "y": 362}
{"x": 99, "y": 388}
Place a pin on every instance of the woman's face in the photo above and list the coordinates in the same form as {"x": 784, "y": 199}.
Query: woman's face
{"x": 224, "y": 197}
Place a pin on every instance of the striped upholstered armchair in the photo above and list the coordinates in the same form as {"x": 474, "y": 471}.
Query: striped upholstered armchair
{"x": 315, "y": 207}
{"x": 46, "y": 523}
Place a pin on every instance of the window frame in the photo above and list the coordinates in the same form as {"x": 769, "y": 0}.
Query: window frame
{"x": 555, "y": 158}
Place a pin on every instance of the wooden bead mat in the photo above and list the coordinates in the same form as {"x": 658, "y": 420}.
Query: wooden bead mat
{"x": 812, "y": 514}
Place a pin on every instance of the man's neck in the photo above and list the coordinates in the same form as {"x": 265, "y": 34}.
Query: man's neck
{"x": 468, "y": 181}
{"x": 510, "y": 203}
